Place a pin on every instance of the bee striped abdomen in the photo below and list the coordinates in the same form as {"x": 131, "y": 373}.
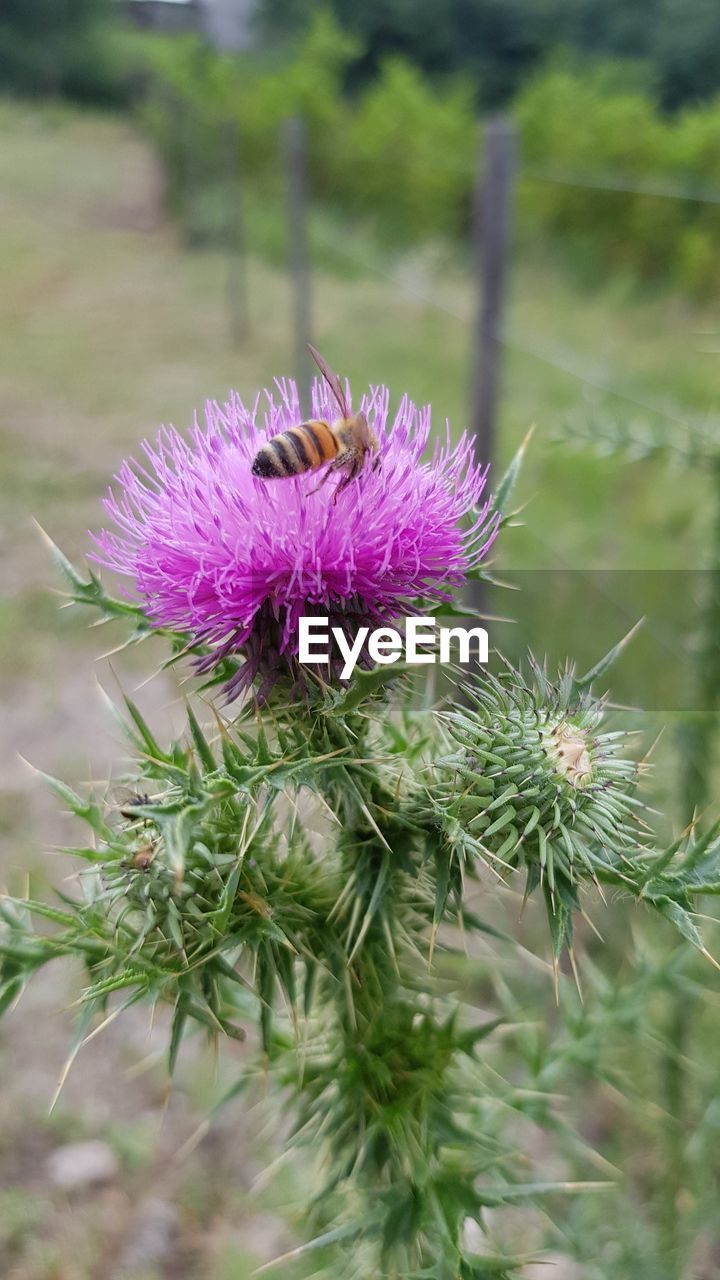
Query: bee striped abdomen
{"x": 302, "y": 448}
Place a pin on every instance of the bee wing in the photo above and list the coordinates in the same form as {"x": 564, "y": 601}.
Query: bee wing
{"x": 332, "y": 380}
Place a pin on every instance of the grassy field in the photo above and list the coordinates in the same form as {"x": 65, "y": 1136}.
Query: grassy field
{"x": 108, "y": 327}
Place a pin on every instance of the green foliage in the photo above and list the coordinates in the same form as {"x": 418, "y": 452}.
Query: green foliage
{"x": 494, "y": 41}
{"x": 600, "y": 170}
{"x": 402, "y": 157}
{"x": 175, "y": 893}
{"x": 72, "y": 49}
{"x": 202, "y": 891}
{"x": 409, "y": 153}
{"x": 199, "y": 92}
{"x": 499, "y": 43}
{"x": 607, "y": 168}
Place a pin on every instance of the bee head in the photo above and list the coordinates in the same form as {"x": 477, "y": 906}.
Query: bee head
{"x": 367, "y": 435}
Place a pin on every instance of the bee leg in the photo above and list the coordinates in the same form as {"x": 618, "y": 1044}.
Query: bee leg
{"x": 328, "y": 472}
{"x": 376, "y": 463}
{"x": 354, "y": 468}
{"x": 336, "y": 465}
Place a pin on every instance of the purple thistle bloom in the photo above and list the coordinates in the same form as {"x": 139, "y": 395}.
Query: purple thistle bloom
{"x": 235, "y": 561}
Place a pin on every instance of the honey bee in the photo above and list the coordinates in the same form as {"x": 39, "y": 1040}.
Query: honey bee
{"x": 345, "y": 443}
{"x": 143, "y": 857}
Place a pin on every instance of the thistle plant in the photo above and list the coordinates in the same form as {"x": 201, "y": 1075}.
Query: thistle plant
{"x": 208, "y": 892}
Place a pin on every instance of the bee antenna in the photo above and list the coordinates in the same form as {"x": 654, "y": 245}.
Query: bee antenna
{"x": 331, "y": 379}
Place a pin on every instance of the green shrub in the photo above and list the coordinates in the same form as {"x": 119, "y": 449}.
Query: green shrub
{"x": 603, "y": 171}
{"x": 402, "y": 155}
{"x": 252, "y": 92}
{"x": 607, "y": 170}
{"x": 410, "y": 154}
{"x": 697, "y": 267}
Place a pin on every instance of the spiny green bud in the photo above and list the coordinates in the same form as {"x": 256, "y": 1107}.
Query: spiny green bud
{"x": 532, "y": 782}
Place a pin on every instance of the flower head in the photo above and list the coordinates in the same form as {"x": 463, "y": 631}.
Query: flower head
{"x": 234, "y": 560}
{"x": 534, "y": 782}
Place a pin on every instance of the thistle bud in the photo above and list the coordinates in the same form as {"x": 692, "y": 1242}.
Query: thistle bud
{"x": 533, "y": 783}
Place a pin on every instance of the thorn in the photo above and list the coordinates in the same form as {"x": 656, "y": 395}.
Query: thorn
{"x": 651, "y": 748}
{"x": 192, "y": 1142}
{"x": 26, "y": 762}
{"x": 589, "y": 922}
{"x": 43, "y": 534}
{"x": 576, "y": 975}
{"x": 433, "y": 936}
{"x": 704, "y": 951}
{"x": 63, "y": 1077}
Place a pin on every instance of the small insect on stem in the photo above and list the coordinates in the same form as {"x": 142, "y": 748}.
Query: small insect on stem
{"x": 133, "y": 802}
{"x": 345, "y": 443}
{"x": 143, "y": 856}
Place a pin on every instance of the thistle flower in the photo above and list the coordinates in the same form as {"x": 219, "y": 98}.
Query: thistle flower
{"x": 534, "y": 782}
{"x": 234, "y": 561}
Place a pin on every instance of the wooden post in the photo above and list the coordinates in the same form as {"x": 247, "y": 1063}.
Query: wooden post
{"x": 298, "y": 252}
{"x": 491, "y": 234}
{"x": 236, "y": 279}
{"x": 491, "y": 222}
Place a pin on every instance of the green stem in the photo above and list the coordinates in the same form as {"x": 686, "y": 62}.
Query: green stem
{"x": 382, "y": 1093}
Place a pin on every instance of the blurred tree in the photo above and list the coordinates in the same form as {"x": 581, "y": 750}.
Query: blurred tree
{"x": 687, "y": 51}
{"x": 500, "y": 42}
{"x": 612, "y": 28}
{"x": 679, "y": 40}
{"x": 59, "y": 47}
{"x": 497, "y": 41}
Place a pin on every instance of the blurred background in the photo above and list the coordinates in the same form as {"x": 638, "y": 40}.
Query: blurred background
{"x": 510, "y": 208}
